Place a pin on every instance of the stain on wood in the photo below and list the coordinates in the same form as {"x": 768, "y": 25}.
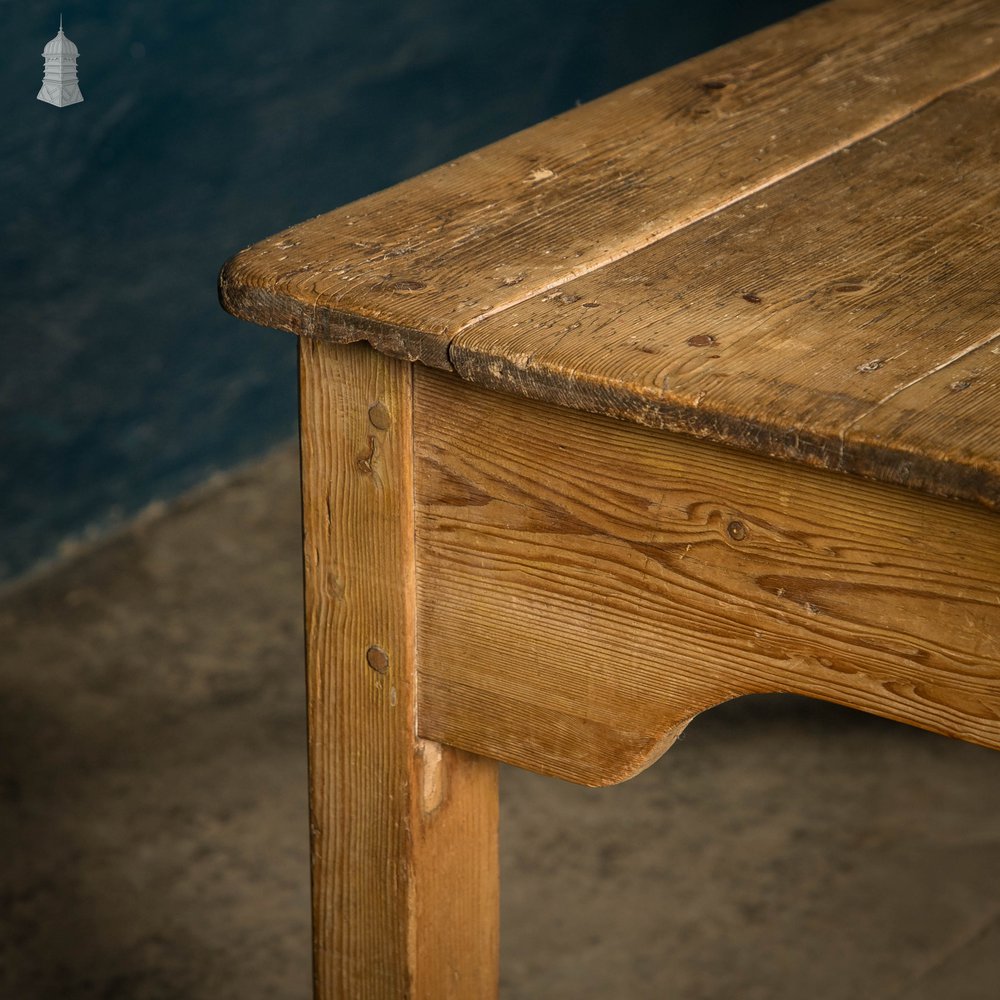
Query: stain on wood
{"x": 586, "y": 587}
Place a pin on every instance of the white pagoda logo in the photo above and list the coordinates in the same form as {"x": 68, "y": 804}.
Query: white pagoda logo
{"x": 59, "y": 84}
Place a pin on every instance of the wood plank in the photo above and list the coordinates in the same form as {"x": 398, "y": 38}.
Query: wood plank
{"x": 404, "y": 848}
{"x": 409, "y": 268}
{"x": 586, "y": 586}
{"x": 782, "y": 324}
{"x": 947, "y": 415}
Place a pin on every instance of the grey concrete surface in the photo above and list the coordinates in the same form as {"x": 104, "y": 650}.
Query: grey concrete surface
{"x": 153, "y": 836}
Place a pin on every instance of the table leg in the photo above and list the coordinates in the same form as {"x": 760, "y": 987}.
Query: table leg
{"x": 404, "y": 831}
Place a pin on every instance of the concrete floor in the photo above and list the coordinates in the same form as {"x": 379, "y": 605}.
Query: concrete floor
{"x": 153, "y": 819}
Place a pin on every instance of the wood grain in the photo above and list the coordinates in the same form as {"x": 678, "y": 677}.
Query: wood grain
{"x": 404, "y": 850}
{"x": 947, "y": 416}
{"x": 411, "y": 267}
{"x": 586, "y": 586}
{"x": 794, "y": 323}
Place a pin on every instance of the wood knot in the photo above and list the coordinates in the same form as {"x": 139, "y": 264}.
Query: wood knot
{"x": 366, "y": 463}
{"x": 736, "y": 530}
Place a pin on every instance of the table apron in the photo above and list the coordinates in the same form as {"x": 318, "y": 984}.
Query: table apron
{"x": 585, "y": 587}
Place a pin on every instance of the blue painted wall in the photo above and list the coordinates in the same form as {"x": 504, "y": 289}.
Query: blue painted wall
{"x": 207, "y": 126}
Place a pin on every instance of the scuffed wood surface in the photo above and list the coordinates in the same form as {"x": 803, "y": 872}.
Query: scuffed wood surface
{"x": 787, "y": 245}
{"x": 409, "y": 268}
{"x": 801, "y": 322}
{"x": 404, "y": 832}
{"x": 586, "y": 586}
{"x": 949, "y": 416}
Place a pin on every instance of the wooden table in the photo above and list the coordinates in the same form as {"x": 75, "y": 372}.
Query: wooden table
{"x": 706, "y": 402}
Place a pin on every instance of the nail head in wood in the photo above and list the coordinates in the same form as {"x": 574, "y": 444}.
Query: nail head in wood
{"x": 379, "y": 416}
{"x": 737, "y": 530}
{"x": 378, "y": 659}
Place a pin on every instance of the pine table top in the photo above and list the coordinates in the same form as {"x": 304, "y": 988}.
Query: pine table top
{"x": 787, "y": 245}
